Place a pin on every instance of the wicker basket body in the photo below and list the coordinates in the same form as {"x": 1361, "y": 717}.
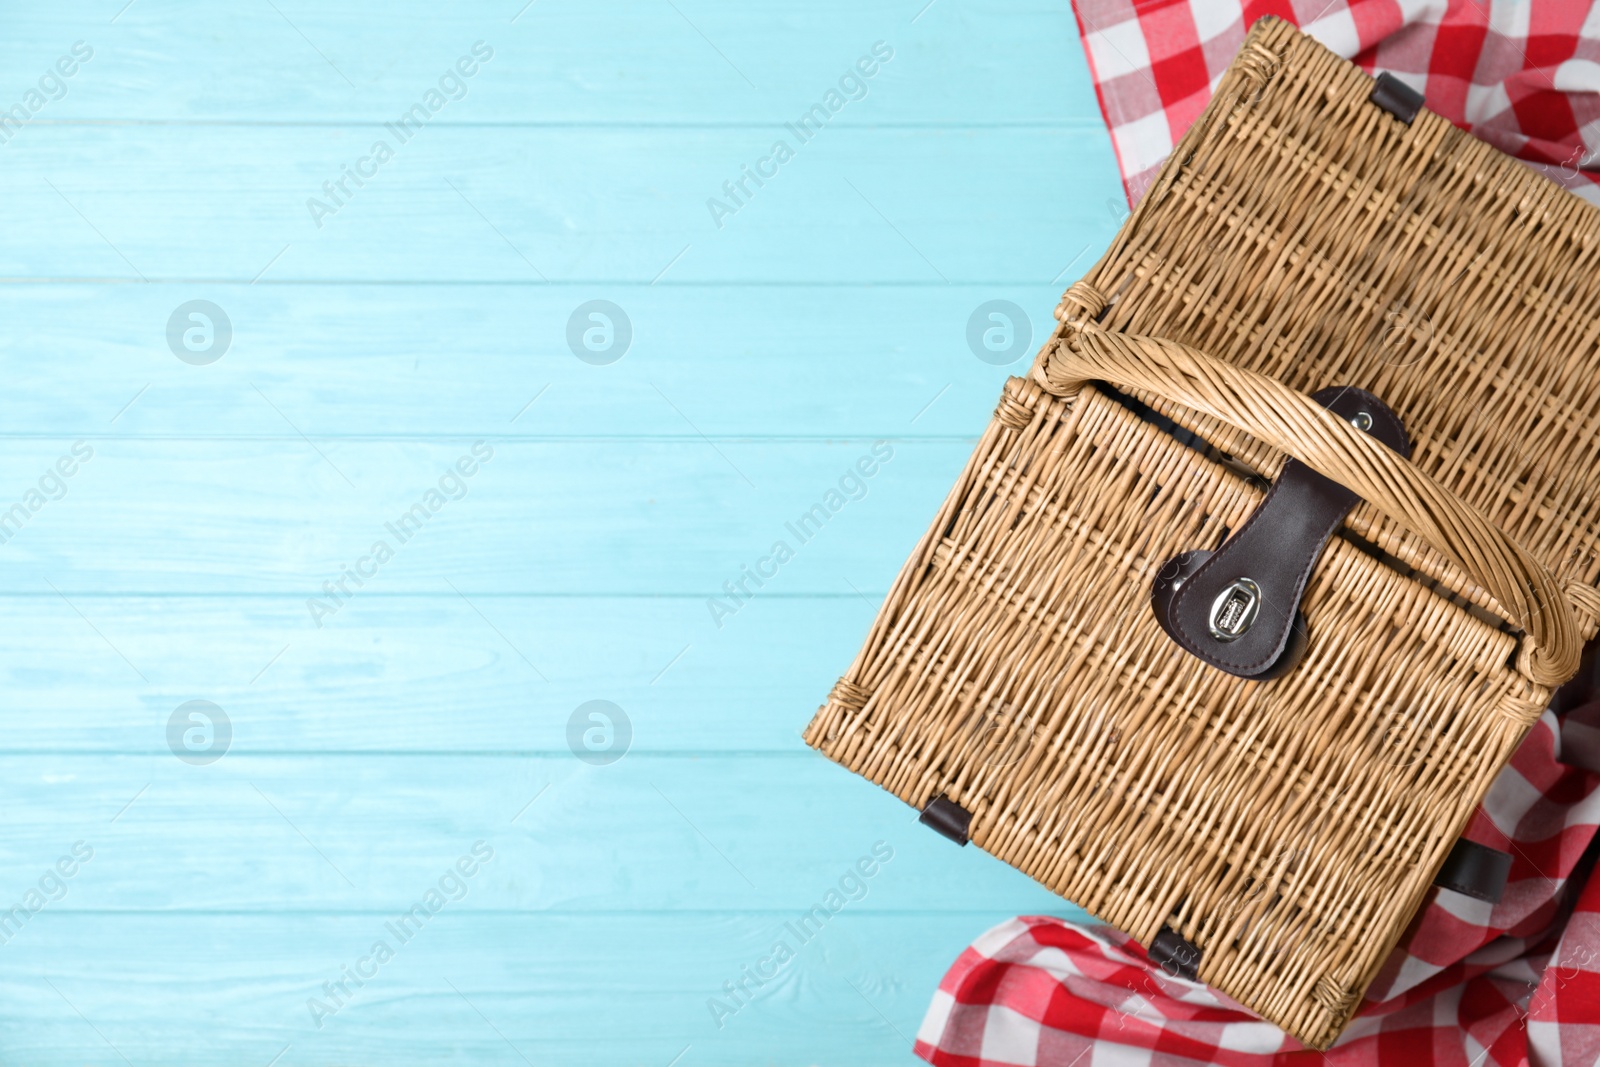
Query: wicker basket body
{"x": 1300, "y": 237}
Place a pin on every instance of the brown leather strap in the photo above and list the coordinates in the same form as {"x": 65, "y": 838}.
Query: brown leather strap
{"x": 1238, "y": 608}
{"x": 947, "y": 818}
{"x": 1396, "y": 97}
{"x": 1526, "y": 592}
{"x": 1175, "y": 954}
{"x": 1476, "y": 870}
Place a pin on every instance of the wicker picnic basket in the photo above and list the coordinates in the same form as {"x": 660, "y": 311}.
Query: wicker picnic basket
{"x": 1192, "y": 642}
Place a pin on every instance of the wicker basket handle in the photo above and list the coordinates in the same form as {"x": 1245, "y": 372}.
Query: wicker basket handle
{"x": 1272, "y": 412}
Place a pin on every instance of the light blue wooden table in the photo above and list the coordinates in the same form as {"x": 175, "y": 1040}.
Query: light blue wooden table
{"x": 195, "y": 493}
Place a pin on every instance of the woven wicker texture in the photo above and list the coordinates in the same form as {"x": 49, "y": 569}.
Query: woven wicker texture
{"x": 1528, "y": 594}
{"x": 1302, "y": 232}
{"x": 1299, "y": 238}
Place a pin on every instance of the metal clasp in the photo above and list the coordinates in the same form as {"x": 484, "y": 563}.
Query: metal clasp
{"x": 1234, "y": 610}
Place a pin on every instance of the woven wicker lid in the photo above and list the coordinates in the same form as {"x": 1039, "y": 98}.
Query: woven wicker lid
{"x": 1303, "y": 231}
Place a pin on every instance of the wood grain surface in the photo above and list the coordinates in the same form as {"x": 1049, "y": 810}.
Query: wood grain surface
{"x": 379, "y": 715}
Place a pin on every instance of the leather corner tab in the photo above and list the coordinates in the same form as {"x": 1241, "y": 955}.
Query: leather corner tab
{"x": 1396, "y": 97}
{"x": 948, "y": 818}
{"x": 1475, "y": 870}
{"x": 1175, "y": 954}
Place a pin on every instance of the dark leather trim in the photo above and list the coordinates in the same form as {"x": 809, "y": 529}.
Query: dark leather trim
{"x": 1396, "y": 97}
{"x": 1476, "y": 870}
{"x": 948, "y": 818}
{"x": 1175, "y": 954}
{"x": 1258, "y": 575}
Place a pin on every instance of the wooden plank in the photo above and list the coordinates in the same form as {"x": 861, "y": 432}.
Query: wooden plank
{"x": 479, "y": 988}
{"x": 526, "y": 206}
{"x": 423, "y": 674}
{"x": 314, "y": 63}
{"x": 309, "y": 832}
{"x": 583, "y": 518}
{"x": 409, "y": 361}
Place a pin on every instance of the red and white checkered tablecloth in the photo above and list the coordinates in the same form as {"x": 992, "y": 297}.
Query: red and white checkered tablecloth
{"x": 1523, "y": 75}
{"x": 1473, "y": 984}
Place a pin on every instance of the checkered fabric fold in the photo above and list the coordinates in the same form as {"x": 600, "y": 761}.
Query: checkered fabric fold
{"x": 1472, "y": 985}
{"x": 1523, "y": 75}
